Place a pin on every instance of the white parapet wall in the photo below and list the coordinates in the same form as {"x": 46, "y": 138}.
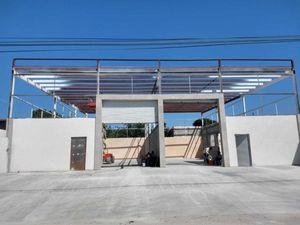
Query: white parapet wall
{"x": 3, "y": 151}
{"x": 45, "y": 144}
{"x": 273, "y": 139}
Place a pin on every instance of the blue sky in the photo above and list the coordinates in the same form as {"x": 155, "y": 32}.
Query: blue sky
{"x": 150, "y": 19}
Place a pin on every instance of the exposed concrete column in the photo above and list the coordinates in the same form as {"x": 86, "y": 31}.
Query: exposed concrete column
{"x": 98, "y": 148}
{"x": 161, "y": 131}
{"x": 223, "y": 130}
{"x": 9, "y": 133}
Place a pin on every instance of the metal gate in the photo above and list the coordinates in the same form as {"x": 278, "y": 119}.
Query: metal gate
{"x": 78, "y": 153}
{"x": 243, "y": 149}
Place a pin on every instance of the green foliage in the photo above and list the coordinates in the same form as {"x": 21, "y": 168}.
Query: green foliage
{"x": 130, "y": 130}
{"x": 206, "y": 121}
{"x": 38, "y": 113}
{"x": 169, "y": 132}
{"x": 136, "y": 130}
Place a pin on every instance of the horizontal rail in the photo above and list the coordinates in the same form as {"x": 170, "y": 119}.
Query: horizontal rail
{"x": 154, "y": 60}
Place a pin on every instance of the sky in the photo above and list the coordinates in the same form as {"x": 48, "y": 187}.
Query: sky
{"x": 149, "y": 19}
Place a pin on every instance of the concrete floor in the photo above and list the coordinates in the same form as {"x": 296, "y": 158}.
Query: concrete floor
{"x": 169, "y": 161}
{"x": 178, "y": 194}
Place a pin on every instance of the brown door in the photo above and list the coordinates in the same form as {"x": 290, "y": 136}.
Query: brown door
{"x": 78, "y": 152}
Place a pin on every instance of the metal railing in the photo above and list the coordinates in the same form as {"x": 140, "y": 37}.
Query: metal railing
{"x": 217, "y": 76}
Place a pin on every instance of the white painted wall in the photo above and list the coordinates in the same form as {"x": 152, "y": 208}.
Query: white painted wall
{"x": 297, "y": 155}
{"x": 273, "y": 139}
{"x": 115, "y": 111}
{"x": 45, "y": 144}
{"x": 3, "y": 153}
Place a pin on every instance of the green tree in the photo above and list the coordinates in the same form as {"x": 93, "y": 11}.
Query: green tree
{"x": 136, "y": 129}
{"x": 130, "y": 130}
{"x": 38, "y": 113}
{"x": 206, "y": 121}
{"x": 169, "y": 132}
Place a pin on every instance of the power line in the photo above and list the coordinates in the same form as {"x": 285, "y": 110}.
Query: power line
{"x": 144, "y": 43}
{"x": 138, "y": 44}
{"x": 143, "y": 39}
{"x": 223, "y": 44}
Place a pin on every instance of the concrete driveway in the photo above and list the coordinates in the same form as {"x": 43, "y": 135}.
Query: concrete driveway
{"x": 178, "y": 194}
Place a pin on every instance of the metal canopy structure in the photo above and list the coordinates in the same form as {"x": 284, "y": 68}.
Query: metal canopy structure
{"x": 78, "y": 84}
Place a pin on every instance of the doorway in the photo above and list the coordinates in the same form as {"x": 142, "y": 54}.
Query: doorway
{"x": 78, "y": 153}
{"x": 243, "y": 149}
{"x": 186, "y": 131}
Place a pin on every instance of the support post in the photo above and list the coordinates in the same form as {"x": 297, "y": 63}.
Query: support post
{"x": 9, "y": 132}
{"x": 223, "y": 131}
{"x": 190, "y": 85}
{"x": 161, "y": 131}
{"x": 10, "y": 116}
{"x": 296, "y": 96}
{"x": 220, "y": 75}
{"x": 295, "y": 86}
{"x": 244, "y": 105}
{"x": 98, "y": 148}
{"x": 98, "y": 77}
{"x": 276, "y": 109}
{"x": 54, "y": 106}
{"x": 146, "y": 130}
{"x": 12, "y": 92}
{"x": 159, "y": 78}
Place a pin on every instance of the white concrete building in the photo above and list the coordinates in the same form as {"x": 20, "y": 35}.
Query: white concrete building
{"x": 142, "y": 94}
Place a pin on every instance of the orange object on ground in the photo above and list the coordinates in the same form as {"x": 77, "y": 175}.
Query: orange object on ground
{"x": 92, "y": 104}
{"x": 210, "y": 162}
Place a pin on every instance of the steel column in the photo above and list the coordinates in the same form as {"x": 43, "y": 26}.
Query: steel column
{"x": 98, "y": 77}
{"x": 159, "y": 78}
{"x": 190, "y": 88}
{"x": 220, "y": 75}
{"x": 295, "y": 85}
{"x": 54, "y": 106}
{"x": 244, "y": 105}
{"x": 12, "y": 92}
{"x": 276, "y": 109}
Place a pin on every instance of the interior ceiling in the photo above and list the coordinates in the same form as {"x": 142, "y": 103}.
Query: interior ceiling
{"x": 77, "y": 86}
